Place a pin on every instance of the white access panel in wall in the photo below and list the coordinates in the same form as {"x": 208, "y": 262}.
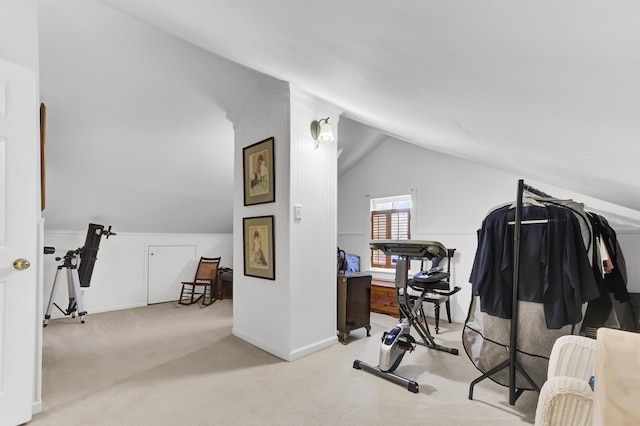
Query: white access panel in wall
{"x": 168, "y": 267}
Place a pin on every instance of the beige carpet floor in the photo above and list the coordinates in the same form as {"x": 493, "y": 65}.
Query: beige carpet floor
{"x": 180, "y": 365}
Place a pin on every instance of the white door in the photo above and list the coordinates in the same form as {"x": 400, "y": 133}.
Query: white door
{"x": 19, "y": 165}
{"x": 168, "y": 267}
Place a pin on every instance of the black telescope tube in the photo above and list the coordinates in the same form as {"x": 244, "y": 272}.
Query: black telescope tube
{"x": 88, "y": 254}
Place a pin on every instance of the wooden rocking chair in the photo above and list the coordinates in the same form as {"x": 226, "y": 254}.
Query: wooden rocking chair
{"x": 202, "y": 286}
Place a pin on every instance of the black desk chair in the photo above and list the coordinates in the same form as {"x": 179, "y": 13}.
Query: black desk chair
{"x": 442, "y": 289}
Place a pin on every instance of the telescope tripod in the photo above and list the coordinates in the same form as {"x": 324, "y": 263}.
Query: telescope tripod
{"x": 73, "y": 285}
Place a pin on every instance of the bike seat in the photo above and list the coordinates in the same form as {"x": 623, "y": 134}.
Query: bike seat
{"x": 431, "y": 276}
{"x": 421, "y": 285}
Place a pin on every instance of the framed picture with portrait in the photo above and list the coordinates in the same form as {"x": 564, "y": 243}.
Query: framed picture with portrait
{"x": 258, "y": 247}
{"x": 258, "y": 172}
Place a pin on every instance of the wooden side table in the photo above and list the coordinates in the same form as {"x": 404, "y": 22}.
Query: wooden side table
{"x": 383, "y": 298}
{"x": 225, "y": 285}
{"x": 354, "y": 299}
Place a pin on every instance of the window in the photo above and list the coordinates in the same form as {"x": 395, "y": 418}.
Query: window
{"x": 390, "y": 220}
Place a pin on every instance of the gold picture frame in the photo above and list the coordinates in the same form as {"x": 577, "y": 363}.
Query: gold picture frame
{"x": 259, "y": 247}
{"x": 258, "y": 173}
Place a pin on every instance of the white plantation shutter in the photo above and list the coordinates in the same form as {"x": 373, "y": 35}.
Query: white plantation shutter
{"x": 388, "y": 225}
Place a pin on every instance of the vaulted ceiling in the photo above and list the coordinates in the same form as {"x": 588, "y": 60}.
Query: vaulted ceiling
{"x": 547, "y": 89}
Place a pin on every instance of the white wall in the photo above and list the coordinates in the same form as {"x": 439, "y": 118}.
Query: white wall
{"x": 295, "y": 314}
{"x": 260, "y": 306}
{"x": 137, "y": 128}
{"x": 313, "y": 185}
{"x": 453, "y": 197}
{"x": 19, "y": 32}
{"x": 119, "y": 279}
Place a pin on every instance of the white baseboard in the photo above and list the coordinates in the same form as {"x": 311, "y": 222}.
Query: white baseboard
{"x": 36, "y": 407}
{"x": 291, "y": 356}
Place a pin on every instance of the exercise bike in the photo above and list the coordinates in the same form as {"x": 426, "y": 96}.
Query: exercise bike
{"x": 397, "y": 341}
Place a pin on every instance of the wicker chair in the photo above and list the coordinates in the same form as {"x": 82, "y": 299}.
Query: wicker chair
{"x": 566, "y": 397}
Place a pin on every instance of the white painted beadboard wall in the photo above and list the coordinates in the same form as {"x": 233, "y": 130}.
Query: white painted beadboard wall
{"x": 313, "y": 181}
{"x": 453, "y": 197}
{"x": 121, "y": 271}
{"x": 295, "y": 314}
{"x": 261, "y": 307}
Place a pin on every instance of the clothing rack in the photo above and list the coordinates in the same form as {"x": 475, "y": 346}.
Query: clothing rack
{"x": 534, "y": 191}
{"x": 512, "y": 362}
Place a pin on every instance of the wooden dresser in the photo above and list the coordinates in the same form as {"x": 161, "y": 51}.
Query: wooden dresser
{"x": 354, "y": 295}
{"x": 383, "y": 298}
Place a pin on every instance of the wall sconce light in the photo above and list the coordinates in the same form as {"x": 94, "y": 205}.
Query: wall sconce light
{"x": 321, "y": 131}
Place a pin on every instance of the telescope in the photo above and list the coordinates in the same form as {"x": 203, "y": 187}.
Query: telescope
{"x": 79, "y": 264}
{"x": 86, "y": 254}
{"x": 90, "y": 250}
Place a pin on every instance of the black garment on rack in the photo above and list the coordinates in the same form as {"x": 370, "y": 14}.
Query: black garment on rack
{"x": 616, "y": 280}
{"x": 554, "y": 265}
{"x": 599, "y": 310}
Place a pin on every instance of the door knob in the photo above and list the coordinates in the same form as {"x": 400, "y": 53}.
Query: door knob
{"x": 21, "y": 264}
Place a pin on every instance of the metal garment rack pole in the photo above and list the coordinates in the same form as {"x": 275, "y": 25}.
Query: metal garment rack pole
{"x": 512, "y": 362}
